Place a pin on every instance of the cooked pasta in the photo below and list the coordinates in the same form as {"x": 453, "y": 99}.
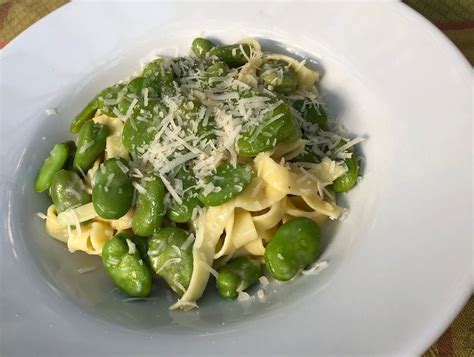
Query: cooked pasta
{"x": 210, "y": 164}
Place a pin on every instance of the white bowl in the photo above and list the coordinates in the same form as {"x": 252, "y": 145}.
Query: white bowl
{"x": 400, "y": 264}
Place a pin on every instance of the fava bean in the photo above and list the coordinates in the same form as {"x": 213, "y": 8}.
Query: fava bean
{"x": 110, "y": 97}
{"x": 228, "y": 181}
{"x": 158, "y": 71}
{"x": 312, "y": 112}
{"x": 201, "y": 46}
{"x": 86, "y": 114}
{"x": 182, "y": 212}
{"x": 279, "y": 75}
{"x": 348, "y": 180}
{"x": 232, "y": 55}
{"x": 268, "y": 133}
{"x": 112, "y": 189}
{"x": 56, "y": 160}
{"x": 67, "y": 190}
{"x": 124, "y": 263}
{"x": 170, "y": 259}
{"x": 295, "y": 245}
{"x": 97, "y": 102}
{"x": 237, "y": 275}
{"x": 150, "y": 207}
{"x": 90, "y": 144}
{"x": 139, "y": 85}
{"x": 140, "y": 129}
{"x": 215, "y": 70}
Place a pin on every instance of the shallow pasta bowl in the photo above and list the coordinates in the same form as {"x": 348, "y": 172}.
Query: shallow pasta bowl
{"x": 399, "y": 265}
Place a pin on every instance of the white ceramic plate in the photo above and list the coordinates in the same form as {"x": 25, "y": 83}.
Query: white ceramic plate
{"x": 400, "y": 265}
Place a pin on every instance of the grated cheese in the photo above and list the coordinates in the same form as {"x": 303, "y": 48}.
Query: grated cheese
{"x": 132, "y": 249}
{"x": 190, "y": 238}
{"x": 169, "y": 262}
{"x": 316, "y": 268}
{"x": 264, "y": 281}
{"x": 139, "y": 187}
{"x": 86, "y": 269}
{"x": 243, "y": 296}
{"x": 51, "y": 111}
{"x": 261, "y": 296}
{"x": 41, "y": 215}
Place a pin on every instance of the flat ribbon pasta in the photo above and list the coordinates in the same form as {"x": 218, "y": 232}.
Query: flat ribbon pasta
{"x": 278, "y": 193}
{"x": 271, "y": 218}
{"x": 210, "y": 226}
{"x": 87, "y": 237}
{"x": 288, "y": 150}
{"x": 90, "y": 238}
{"x": 248, "y": 72}
{"x": 53, "y": 226}
{"x": 240, "y": 233}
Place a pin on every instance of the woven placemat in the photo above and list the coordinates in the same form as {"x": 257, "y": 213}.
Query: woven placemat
{"x": 454, "y": 17}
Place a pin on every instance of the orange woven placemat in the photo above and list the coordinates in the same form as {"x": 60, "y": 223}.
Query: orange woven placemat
{"x": 454, "y": 17}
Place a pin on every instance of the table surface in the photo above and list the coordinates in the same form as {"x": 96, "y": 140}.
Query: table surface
{"x": 454, "y": 17}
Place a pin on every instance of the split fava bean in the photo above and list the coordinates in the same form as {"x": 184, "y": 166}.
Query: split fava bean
{"x": 171, "y": 259}
{"x": 90, "y": 144}
{"x": 67, "y": 190}
{"x": 125, "y": 265}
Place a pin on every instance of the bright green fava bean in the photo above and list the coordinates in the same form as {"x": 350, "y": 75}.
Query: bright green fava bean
{"x": 280, "y": 75}
{"x": 295, "y": 245}
{"x": 125, "y": 265}
{"x": 201, "y": 46}
{"x": 171, "y": 258}
{"x": 269, "y": 133}
{"x": 139, "y": 85}
{"x": 110, "y": 94}
{"x": 182, "y": 212}
{"x": 349, "y": 179}
{"x": 216, "y": 70}
{"x": 140, "y": 129}
{"x": 237, "y": 275}
{"x": 150, "y": 207}
{"x": 312, "y": 112}
{"x": 232, "y": 55}
{"x": 112, "y": 189}
{"x": 229, "y": 181}
{"x": 67, "y": 190}
{"x": 97, "y": 102}
{"x": 90, "y": 144}
{"x": 53, "y": 163}
{"x": 86, "y": 114}
{"x": 157, "y": 71}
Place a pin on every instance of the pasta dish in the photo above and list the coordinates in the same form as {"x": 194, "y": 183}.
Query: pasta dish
{"x": 222, "y": 163}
